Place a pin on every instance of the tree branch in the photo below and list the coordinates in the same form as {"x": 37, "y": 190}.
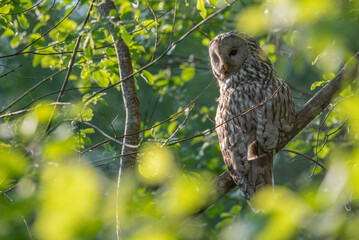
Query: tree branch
{"x": 132, "y": 106}
{"x": 317, "y": 104}
{"x": 133, "y": 115}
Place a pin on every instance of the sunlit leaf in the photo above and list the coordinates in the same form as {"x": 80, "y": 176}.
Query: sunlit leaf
{"x": 317, "y": 84}
{"x": 213, "y": 2}
{"x": 68, "y": 196}
{"x": 149, "y": 23}
{"x": 60, "y": 150}
{"x": 151, "y": 233}
{"x": 5, "y": 9}
{"x": 125, "y": 8}
{"x": 126, "y": 36}
{"x": 202, "y": 8}
{"x": 188, "y": 73}
{"x": 12, "y": 165}
{"x": 44, "y": 111}
{"x": 172, "y": 127}
{"x": 101, "y": 77}
{"x": 253, "y": 21}
{"x": 347, "y": 107}
{"x": 148, "y": 77}
{"x": 333, "y": 184}
{"x": 23, "y": 21}
{"x": 286, "y": 208}
{"x": 8, "y": 33}
{"x": 328, "y": 76}
{"x": 29, "y": 125}
{"x": 15, "y": 41}
{"x": 186, "y": 194}
{"x": 156, "y": 164}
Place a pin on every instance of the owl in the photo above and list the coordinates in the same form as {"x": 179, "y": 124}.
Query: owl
{"x": 248, "y": 140}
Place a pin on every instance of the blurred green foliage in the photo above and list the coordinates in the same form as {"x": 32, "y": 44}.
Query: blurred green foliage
{"x": 62, "y": 184}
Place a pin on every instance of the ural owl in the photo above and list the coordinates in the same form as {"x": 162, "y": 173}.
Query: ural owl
{"x": 248, "y": 140}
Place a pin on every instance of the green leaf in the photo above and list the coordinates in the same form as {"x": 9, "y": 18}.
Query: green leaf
{"x": 317, "y": 84}
{"x": 188, "y": 73}
{"x": 87, "y": 114}
{"x": 148, "y": 77}
{"x": 85, "y": 73}
{"x": 125, "y": 8}
{"x": 15, "y": 41}
{"x": 106, "y": 63}
{"x": 101, "y": 77}
{"x": 5, "y": 9}
{"x": 8, "y": 33}
{"x": 37, "y": 60}
{"x": 201, "y": 7}
{"x": 23, "y": 21}
{"x": 113, "y": 13}
{"x": 317, "y": 58}
{"x": 88, "y": 130}
{"x": 114, "y": 79}
{"x": 149, "y": 23}
{"x": 88, "y": 53}
{"x": 236, "y": 209}
{"x": 328, "y": 76}
{"x": 225, "y": 215}
{"x": 213, "y": 2}
{"x": 172, "y": 127}
{"x": 125, "y": 36}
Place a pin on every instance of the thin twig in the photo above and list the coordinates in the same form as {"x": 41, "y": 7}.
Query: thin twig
{"x": 166, "y": 51}
{"x": 178, "y": 129}
{"x": 8, "y": 190}
{"x": 71, "y": 63}
{"x": 13, "y": 70}
{"x": 156, "y": 29}
{"x": 44, "y": 34}
{"x": 305, "y": 156}
{"x": 32, "y": 88}
{"x": 31, "y": 109}
{"x": 173, "y": 21}
{"x": 108, "y": 136}
{"x": 317, "y": 140}
{"x": 26, "y": 10}
{"x": 158, "y": 124}
{"x": 27, "y": 227}
{"x": 139, "y": 29}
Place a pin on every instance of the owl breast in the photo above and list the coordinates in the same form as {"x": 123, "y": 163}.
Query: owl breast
{"x": 237, "y": 130}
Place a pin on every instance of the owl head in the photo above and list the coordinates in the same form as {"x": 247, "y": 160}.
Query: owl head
{"x": 230, "y": 51}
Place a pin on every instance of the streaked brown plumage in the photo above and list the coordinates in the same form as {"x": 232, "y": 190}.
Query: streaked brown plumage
{"x": 246, "y": 77}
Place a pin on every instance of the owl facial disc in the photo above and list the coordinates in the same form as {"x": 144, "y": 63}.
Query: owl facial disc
{"x": 228, "y": 52}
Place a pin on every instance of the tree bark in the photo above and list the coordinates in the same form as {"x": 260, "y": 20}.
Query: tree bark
{"x": 132, "y": 106}
{"x": 316, "y": 105}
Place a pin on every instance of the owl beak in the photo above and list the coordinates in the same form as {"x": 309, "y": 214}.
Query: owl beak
{"x": 225, "y": 67}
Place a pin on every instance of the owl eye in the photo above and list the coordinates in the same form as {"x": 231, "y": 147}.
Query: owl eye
{"x": 233, "y": 52}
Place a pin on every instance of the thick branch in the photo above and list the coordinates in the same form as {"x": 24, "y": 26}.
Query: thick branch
{"x": 132, "y": 106}
{"x": 317, "y": 104}
{"x": 133, "y": 115}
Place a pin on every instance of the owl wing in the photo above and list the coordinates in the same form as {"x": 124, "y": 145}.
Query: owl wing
{"x": 231, "y": 138}
{"x": 275, "y": 117}
{"x": 235, "y": 134}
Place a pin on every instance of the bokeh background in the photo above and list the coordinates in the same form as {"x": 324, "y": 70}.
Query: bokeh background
{"x": 62, "y": 185}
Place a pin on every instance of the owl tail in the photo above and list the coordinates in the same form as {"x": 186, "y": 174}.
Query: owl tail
{"x": 259, "y": 176}
{"x": 261, "y": 169}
